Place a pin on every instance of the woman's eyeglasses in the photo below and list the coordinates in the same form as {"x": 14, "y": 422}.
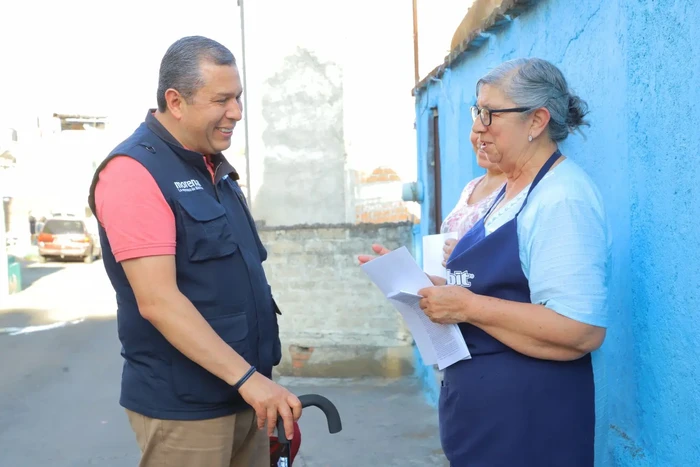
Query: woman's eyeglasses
{"x": 485, "y": 114}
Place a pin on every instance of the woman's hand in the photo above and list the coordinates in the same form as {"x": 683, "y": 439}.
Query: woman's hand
{"x": 437, "y": 280}
{"x": 447, "y": 304}
{"x": 378, "y": 249}
{"x": 447, "y": 250}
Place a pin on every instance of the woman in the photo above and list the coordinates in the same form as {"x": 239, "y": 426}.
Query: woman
{"x": 476, "y": 198}
{"x": 536, "y": 306}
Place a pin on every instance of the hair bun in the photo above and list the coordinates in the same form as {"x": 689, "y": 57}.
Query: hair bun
{"x": 578, "y": 109}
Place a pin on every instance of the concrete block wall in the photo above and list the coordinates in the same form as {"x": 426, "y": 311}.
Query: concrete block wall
{"x": 334, "y": 321}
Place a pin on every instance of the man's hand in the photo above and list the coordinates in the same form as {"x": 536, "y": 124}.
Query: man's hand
{"x": 447, "y": 250}
{"x": 269, "y": 399}
{"x": 380, "y": 250}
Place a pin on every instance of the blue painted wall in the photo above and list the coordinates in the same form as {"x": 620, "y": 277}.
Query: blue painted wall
{"x": 637, "y": 64}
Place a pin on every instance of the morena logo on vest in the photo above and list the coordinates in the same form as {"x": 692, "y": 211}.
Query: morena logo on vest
{"x": 188, "y": 185}
{"x": 459, "y": 278}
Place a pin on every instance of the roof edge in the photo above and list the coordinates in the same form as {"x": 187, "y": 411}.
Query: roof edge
{"x": 497, "y": 21}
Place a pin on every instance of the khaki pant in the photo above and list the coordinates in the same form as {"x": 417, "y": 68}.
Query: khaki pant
{"x": 230, "y": 441}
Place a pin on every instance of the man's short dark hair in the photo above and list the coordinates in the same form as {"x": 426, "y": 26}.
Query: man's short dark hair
{"x": 180, "y": 67}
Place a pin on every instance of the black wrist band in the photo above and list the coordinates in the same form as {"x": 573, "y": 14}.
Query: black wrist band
{"x": 244, "y": 378}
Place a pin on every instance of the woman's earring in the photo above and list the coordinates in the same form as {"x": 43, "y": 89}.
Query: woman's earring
{"x": 529, "y": 138}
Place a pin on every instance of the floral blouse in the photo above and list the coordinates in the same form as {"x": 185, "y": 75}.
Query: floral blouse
{"x": 465, "y": 215}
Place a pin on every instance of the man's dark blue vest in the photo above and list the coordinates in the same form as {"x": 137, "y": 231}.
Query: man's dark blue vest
{"x": 219, "y": 259}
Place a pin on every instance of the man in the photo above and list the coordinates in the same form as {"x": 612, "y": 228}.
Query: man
{"x": 196, "y": 317}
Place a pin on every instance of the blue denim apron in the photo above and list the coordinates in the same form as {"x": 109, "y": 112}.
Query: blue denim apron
{"x": 502, "y": 408}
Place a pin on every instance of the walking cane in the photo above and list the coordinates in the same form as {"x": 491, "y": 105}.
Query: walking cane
{"x": 326, "y": 406}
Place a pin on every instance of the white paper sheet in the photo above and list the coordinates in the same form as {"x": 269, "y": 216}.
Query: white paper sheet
{"x": 433, "y": 254}
{"x": 445, "y": 341}
{"x": 399, "y": 278}
{"x": 395, "y": 271}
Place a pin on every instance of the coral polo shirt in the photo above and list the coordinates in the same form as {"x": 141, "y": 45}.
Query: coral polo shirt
{"x": 132, "y": 210}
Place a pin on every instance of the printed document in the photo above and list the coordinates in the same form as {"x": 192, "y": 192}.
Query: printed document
{"x": 400, "y": 278}
{"x": 433, "y": 254}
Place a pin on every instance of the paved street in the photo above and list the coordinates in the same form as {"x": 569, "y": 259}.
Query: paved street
{"x": 59, "y": 389}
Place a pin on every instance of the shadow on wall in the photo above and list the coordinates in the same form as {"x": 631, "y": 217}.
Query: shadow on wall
{"x": 304, "y": 179}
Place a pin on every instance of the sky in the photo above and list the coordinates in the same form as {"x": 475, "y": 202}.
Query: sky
{"x": 101, "y": 57}
{"x": 437, "y": 22}
{"x": 98, "y": 56}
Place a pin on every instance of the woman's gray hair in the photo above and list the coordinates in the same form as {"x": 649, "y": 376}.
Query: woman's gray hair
{"x": 535, "y": 83}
